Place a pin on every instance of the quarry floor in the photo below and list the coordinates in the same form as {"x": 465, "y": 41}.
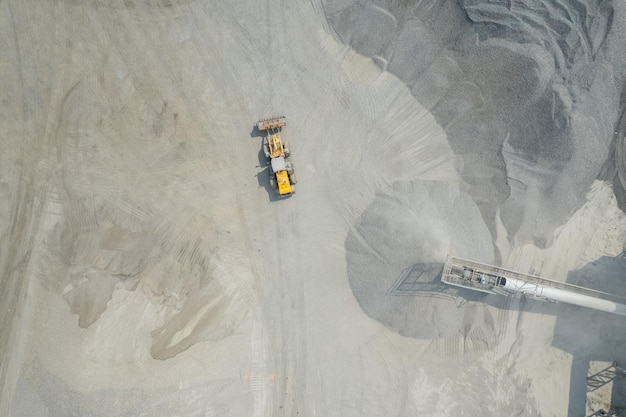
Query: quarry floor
{"x": 149, "y": 268}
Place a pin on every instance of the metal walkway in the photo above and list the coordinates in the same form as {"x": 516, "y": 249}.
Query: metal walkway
{"x": 477, "y": 276}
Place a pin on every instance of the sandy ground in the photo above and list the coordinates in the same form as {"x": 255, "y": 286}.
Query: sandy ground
{"x": 148, "y": 269}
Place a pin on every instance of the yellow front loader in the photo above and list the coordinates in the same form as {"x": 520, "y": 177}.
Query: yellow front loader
{"x": 282, "y": 176}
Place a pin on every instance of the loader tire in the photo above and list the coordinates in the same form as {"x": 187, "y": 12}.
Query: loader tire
{"x": 266, "y": 150}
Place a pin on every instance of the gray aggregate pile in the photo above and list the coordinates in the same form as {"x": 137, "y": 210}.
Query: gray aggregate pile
{"x": 528, "y": 92}
{"x": 410, "y": 228}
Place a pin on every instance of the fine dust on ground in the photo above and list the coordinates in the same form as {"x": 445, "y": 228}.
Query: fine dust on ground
{"x": 148, "y": 268}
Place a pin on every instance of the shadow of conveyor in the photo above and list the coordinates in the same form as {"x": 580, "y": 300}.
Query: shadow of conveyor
{"x": 590, "y": 335}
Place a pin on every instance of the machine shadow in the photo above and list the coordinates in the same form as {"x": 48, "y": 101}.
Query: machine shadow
{"x": 255, "y": 132}
{"x": 588, "y": 335}
{"x": 595, "y": 336}
{"x": 263, "y": 176}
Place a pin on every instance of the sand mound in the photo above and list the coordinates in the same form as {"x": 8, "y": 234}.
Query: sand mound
{"x": 114, "y": 228}
{"x": 528, "y": 96}
{"x": 413, "y": 227}
{"x": 150, "y": 269}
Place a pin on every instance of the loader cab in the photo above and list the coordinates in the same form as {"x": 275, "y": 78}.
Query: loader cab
{"x": 279, "y": 170}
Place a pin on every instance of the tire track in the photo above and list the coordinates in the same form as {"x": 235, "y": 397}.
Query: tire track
{"x": 28, "y": 204}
